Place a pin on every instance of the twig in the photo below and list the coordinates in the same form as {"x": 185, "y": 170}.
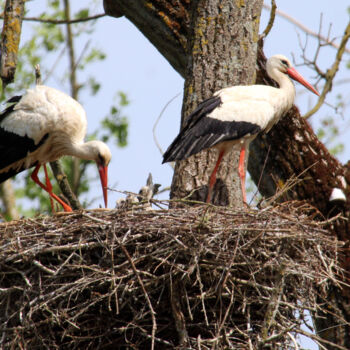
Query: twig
{"x": 44, "y": 268}
{"x": 62, "y": 21}
{"x": 319, "y": 340}
{"x": 38, "y": 80}
{"x": 304, "y": 28}
{"x": 179, "y": 318}
{"x": 154, "y": 323}
{"x": 157, "y": 121}
{"x": 198, "y": 274}
{"x": 63, "y": 183}
{"x": 330, "y": 74}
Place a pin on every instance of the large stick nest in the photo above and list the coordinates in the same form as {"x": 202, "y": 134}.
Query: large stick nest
{"x": 200, "y": 278}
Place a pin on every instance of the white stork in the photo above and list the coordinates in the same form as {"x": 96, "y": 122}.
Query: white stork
{"x": 235, "y": 115}
{"x": 41, "y": 126}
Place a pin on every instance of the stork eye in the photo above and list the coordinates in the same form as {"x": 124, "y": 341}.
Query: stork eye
{"x": 285, "y": 63}
{"x": 100, "y": 159}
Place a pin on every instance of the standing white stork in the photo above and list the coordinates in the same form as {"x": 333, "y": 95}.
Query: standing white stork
{"x": 235, "y": 115}
{"x": 41, "y": 126}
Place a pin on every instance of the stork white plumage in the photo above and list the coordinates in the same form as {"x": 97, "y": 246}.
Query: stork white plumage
{"x": 235, "y": 115}
{"x": 41, "y": 126}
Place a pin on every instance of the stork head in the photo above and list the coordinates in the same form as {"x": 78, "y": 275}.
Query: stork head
{"x": 101, "y": 154}
{"x": 280, "y": 64}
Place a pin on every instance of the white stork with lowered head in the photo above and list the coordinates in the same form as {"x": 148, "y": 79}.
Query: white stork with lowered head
{"x": 235, "y": 115}
{"x": 41, "y": 126}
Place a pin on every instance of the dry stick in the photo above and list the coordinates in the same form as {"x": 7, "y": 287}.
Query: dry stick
{"x": 179, "y": 318}
{"x": 157, "y": 121}
{"x": 63, "y": 183}
{"x": 44, "y": 268}
{"x": 261, "y": 174}
{"x": 330, "y": 74}
{"x": 296, "y": 346}
{"x": 318, "y": 339}
{"x": 201, "y": 290}
{"x": 274, "y": 303}
{"x": 62, "y": 21}
{"x": 154, "y": 323}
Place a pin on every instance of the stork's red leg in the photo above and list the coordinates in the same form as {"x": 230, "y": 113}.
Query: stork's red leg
{"x": 49, "y": 188}
{"x": 35, "y": 178}
{"x": 241, "y": 172}
{"x": 213, "y": 176}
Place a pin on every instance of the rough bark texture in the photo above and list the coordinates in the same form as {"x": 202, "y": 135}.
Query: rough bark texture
{"x": 293, "y": 148}
{"x": 10, "y": 36}
{"x": 9, "y": 201}
{"x": 222, "y": 52}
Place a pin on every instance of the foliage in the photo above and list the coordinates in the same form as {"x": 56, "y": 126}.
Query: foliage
{"x": 116, "y": 124}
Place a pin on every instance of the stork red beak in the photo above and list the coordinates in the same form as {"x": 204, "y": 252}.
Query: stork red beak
{"x": 103, "y": 170}
{"x": 296, "y": 76}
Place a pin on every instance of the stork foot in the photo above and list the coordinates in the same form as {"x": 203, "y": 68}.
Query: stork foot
{"x": 48, "y": 189}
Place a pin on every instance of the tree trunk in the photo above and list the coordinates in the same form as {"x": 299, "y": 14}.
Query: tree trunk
{"x": 291, "y": 146}
{"x": 9, "y": 200}
{"x": 222, "y": 52}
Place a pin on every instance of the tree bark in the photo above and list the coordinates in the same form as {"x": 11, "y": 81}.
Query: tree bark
{"x": 292, "y": 147}
{"x": 9, "y": 200}
{"x": 10, "y": 37}
{"x": 222, "y": 52}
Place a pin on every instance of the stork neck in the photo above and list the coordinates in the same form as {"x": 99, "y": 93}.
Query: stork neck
{"x": 286, "y": 84}
{"x": 83, "y": 150}
{"x": 286, "y": 88}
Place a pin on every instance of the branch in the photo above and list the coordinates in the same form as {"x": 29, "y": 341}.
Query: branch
{"x": 61, "y": 21}
{"x": 148, "y": 300}
{"x": 304, "y": 28}
{"x": 10, "y": 37}
{"x": 9, "y": 200}
{"x": 63, "y": 183}
{"x": 271, "y": 20}
{"x": 330, "y": 74}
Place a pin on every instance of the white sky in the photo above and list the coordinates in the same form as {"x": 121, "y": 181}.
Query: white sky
{"x": 135, "y": 67}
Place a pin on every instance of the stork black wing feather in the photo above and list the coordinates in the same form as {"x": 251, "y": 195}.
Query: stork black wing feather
{"x": 202, "y": 110}
{"x": 12, "y": 172}
{"x": 13, "y": 148}
{"x": 202, "y": 132}
{"x": 13, "y": 100}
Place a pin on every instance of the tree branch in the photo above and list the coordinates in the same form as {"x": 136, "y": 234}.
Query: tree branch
{"x": 271, "y": 20}
{"x": 10, "y": 37}
{"x": 304, "y": 28}
{"x": 61, "y": 21}
{"x": 330, "y": 74}
{"x": 63, "y": 183}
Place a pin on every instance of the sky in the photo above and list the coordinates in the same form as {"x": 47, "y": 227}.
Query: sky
{"x": 135, "y": 67}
